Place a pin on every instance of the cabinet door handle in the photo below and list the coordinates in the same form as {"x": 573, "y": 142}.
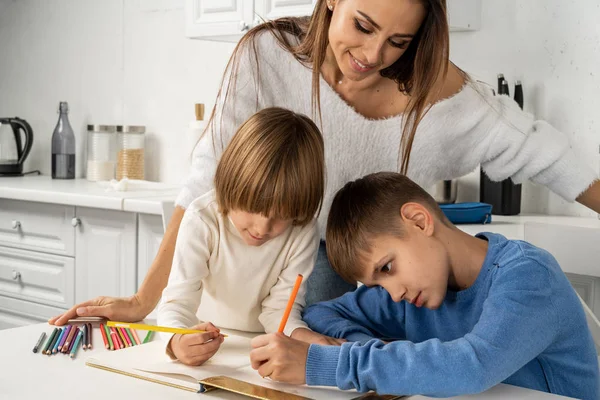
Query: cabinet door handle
{"x": 16, "y": 224}
{"x": 75, "y": 222}
{"x": 16, "y": 275}
{"x": 244, "y": 26}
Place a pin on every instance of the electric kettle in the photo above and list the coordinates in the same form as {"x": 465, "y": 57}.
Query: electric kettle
{"x": 16, "y": 139}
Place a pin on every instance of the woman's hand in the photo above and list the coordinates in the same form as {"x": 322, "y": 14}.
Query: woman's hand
{"x": 126, "y": 309}
{"x": 591, "y": 197}
{"x": 308, "y": 336}
{"x": 195, "y": 348}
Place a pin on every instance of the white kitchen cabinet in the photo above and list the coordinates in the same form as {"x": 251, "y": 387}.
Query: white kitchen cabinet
{"x": 37, "y": 226}
{"x": 37, "y": 277}
{"x": 229, "y": 20}
{"x": 150, "y": 235}
{"x": 464, "y": 15}
{"x": 66, "y": 241}
{"x": 272, "y": 9}
{"x": 225, "y": 20}
{"x": 105, "y": 253}
{"x": 60, "y": 255}
{"x": 15, "y": 313}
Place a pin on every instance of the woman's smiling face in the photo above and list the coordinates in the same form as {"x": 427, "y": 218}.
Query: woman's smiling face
{"x": 367, "y": 36}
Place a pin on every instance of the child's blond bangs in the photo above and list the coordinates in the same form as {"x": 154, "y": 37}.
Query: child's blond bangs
{"x": 273, "y": 166}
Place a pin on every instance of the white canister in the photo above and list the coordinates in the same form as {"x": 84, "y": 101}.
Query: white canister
{"x": 101, "y": 144}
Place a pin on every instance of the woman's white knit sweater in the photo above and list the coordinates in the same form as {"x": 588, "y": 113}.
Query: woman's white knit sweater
{"x": 457, "y": 134}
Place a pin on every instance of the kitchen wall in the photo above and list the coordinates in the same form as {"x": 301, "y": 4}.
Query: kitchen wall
{"x": 128, "y": 61}
{"x": 553, "y": 47}
{"x": 114, "y": 61}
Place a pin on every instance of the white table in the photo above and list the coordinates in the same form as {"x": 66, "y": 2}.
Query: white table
{"x": 25, "y": 375}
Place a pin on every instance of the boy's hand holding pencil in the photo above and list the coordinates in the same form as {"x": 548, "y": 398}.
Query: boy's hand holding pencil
{"x": 279, "y": 357}
{"x": 196, "y": 348}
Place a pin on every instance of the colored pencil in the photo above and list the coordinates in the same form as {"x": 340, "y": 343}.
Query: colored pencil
{"x": 50, "y": 339}
{"x": 58, "y": 339}
{"x": 82, "y": 320}
{"x": 121, "y": 344}
{"x": 84, "y": 339}
{"x": 76, "y": 344}
{"x": 115, "y": 339}
{"x": 104, "y": 339}
{"x": 111, "y": 346}
{"x": 130, "y": 336}
{"x": 148, "y": 337}
{"x": 39, "y": 342}
{"x": 64, "y": 337}
{"x": 54, "y": 340}
{"x": 290, "y": 304}
{"x": 123, "y": 334}
{"x": 135, "y": 337}
{"x": 75, "y": 334}
{"x": 69, "y": 339}
{"x": 155, "y": 328}
{"x": 122, "y": 341}
{"x": 90, "y": 331}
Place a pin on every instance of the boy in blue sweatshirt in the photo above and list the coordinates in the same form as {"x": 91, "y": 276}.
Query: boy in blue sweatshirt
{"x": 441, "y": 313}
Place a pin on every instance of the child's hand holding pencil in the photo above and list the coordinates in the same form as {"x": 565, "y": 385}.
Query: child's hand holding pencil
{"x": 195, "y": 349}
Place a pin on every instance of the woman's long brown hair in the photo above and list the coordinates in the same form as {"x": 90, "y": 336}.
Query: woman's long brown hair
{"x": 418, "y": 72}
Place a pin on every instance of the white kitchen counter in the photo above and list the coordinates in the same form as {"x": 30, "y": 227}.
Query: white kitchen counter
{"x": 148, "y": 205}
{"x": 83, "y": 193}
{"x": 513, "y": 226}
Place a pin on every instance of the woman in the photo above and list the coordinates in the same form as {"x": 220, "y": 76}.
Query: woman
{"x": 386, "y": 97}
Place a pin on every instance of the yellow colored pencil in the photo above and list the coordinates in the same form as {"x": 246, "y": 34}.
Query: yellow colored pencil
{"x": 154, "y": 328}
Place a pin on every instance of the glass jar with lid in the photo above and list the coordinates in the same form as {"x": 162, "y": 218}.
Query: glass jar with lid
{"x": 101, "y": 154}
{"x": 130, "y": 151}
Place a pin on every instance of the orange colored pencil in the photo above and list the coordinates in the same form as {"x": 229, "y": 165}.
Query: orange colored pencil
{"x": 135, "y": 336}
{"x": 103, "y": 333}
{"x": 290, "y": 304}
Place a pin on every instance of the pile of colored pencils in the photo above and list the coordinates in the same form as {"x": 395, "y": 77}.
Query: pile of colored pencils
{"x": 66, "y": 340}
{"x": 116, "y": 338}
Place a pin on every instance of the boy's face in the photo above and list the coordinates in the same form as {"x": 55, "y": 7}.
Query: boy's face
{"x": 256, "y": 229}
{"x": 414, "y": 268}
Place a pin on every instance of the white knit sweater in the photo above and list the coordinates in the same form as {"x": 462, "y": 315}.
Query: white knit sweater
{"x": 217, "y": 277}
{"x": 459, "y": 133}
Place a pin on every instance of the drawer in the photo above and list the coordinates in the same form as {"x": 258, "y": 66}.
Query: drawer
{"x": 15, "y": 313}
{"x": 37, "y": 277}
{"x": 37, "y": 226}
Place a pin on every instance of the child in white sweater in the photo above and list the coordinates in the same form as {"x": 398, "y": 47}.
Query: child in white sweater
{"x": 241, "y": 246}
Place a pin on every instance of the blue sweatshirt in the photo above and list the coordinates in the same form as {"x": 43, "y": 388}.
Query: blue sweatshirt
{"x": 520, "y": 323}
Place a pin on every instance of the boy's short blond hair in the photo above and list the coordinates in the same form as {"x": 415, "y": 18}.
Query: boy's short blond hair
{"x": 365, "y": 208}
{"x": 275, "y": 166}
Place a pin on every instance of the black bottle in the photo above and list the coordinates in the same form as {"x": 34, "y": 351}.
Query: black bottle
{"x": 63, "y": 146}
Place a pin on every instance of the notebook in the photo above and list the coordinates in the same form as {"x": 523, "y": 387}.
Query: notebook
{"x": 229, "y": 369}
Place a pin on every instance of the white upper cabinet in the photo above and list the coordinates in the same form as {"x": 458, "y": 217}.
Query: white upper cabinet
{"x": 225, "y": 20}
{"x": 464, "y": 15}
{"x": 272, "y": 9}
{"x": 228, "y": 20}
